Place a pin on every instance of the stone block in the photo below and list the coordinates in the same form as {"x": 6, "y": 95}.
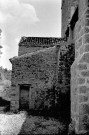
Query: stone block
{"x": 78, "y": 43}
{"x": 86, "y": 29}
{"x": 74, "y": 91}
{"x": 83, "y": 89}
{"x": 83, "y": 109}
{"x": 83, "y": 4}
{"x": 84, "y": 58}
{"x": 73, "y": 72}
{"x": 83, "y": 119}
{"x": 77, "y": 30}
{"x": 84, "y": 48}
{"x": 74, "y": 107}
{"x": 83, "y": 98}
{"x": 82, "y": 21}
{"x": 80, "y": 80}
{"x": 87, "y": 22}
{"x": 81, "y": 32}
{"x": 87, "y": 12}
{"x": 86, "y": 39}
{"x": 82, "y": 66}
{"x": 87, "y": 48}
{"x": 83, "y": 128}
{"x": 76, "y": 53}
{"x": 88, "y": 81}
{"x": 85, "y": 73}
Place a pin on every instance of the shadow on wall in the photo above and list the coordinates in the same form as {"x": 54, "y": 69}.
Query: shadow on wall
{"x": 44, "y": 104}
{"x": 63, "y": 96}
{"x": 4, "y": 105}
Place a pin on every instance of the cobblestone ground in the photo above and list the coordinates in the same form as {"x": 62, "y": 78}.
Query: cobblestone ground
{"x": 37, "y": 125}
{"x": 23, "y": 124}
{"x": 10, "y": 124}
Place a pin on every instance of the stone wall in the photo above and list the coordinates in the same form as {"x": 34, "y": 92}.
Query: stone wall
{"x": 37, "y": 69}
{"x": 80, "y": 71}
{"x": 65, "y": 15}
{"x": 65, "y": 60}
{"x": 33, "y": 44}
{"x": 25, "y": 49}
{"x": 48, "y": 70}
{"x": 68, "y": 8}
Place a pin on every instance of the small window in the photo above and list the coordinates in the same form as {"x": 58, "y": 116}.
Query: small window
{"x": 73, "y": 22}
{"x": 67, "y": 33}
{"x": 74, "y": 18}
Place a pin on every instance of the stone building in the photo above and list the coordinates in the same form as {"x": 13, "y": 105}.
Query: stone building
{"x": 58, "y": 65}
{"x": 34, "y": 73}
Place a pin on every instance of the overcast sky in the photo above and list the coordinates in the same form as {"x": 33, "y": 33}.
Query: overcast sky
{"x": 27, "y": 18}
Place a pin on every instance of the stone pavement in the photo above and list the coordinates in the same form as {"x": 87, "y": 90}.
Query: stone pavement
{"x": 10, "y": 124}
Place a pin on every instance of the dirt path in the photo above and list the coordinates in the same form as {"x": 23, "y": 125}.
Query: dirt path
{"x": 34, "y": 125}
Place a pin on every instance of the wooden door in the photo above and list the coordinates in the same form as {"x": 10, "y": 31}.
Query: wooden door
{"x": 24, "y": 97}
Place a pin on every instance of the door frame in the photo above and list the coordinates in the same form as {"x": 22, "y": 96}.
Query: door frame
{"x": 20, "y": 94}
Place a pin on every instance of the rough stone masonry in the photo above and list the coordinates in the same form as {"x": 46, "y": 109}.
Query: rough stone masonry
{"x": 55, "y": 71}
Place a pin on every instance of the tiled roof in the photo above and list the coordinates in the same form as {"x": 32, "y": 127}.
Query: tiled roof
{"x": 40, "y": 41}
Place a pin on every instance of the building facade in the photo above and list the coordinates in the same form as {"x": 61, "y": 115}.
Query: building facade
{"x": 33, "y": 72}
{"x": 75, "y": 25}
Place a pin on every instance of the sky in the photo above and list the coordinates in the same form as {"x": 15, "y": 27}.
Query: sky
{"x": 41, "y": 18}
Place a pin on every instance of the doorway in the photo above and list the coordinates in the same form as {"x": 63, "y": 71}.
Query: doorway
{"x": 24, "y": 97}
